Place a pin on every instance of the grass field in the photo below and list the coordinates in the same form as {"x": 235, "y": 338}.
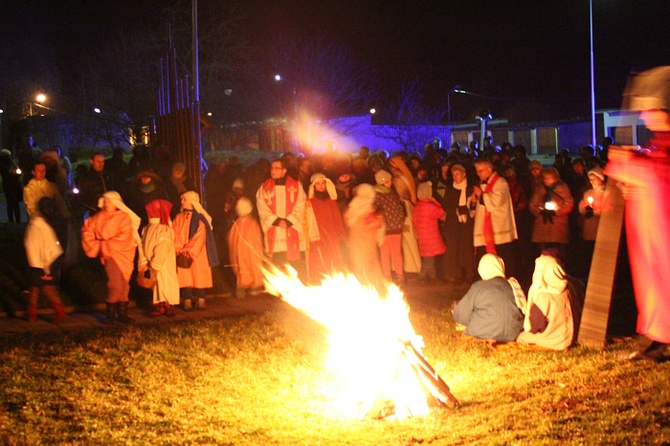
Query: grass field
{"x": 261, "y": 380}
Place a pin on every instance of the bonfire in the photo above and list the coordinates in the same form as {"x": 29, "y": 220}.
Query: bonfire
{"x": 373, "y": 349}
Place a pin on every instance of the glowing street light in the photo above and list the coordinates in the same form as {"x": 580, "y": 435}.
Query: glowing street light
{"x": 96, "y": 110}
{"x": 278, "y": 77}
{"x": 373, "y": 111}
{"x": 40, "y": 98}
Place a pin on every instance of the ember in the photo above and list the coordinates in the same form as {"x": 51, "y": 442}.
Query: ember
{"x": 374, "y": 351}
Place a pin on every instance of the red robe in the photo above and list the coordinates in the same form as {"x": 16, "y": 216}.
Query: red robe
{"x": 325, "y": 255}
{"x": 647, "y": 222}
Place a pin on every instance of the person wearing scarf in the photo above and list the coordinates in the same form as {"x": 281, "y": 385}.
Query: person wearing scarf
{"x": 551, "y": 205}
{"x": 325, "y": 254}
{"x": 489, "y": 309}
{"x": 281, "y": 208}
{"x": 491, "y": 205}
{"x": 548, "y": 320}
{"x": 44, "y": 253}
{"x": 459, "y": 260}
{"x": 112, "y": 235}
{"x": 158, "y": 257}
{"x": 194, "y": 237}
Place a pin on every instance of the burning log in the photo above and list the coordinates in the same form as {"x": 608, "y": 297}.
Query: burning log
{"x": 373, "y": 347}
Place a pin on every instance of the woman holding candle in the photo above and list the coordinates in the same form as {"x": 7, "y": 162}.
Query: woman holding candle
{"x": 551, "y": 205}
{"x": 594, "y": 202}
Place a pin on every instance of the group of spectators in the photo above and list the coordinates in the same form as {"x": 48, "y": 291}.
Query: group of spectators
{"x": 381, "y": 217}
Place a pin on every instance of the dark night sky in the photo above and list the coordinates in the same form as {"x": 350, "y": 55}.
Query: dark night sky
{"x": 534, "y": 51}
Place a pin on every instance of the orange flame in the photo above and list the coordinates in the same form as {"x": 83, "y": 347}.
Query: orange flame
{"x": 368, "y": 334}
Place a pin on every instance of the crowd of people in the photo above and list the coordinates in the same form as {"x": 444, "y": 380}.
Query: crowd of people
{"x": 463, "y": 217}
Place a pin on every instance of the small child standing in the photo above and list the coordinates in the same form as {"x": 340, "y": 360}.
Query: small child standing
{"x": 427, "y": 212}
{"x": 245, "y": 245}
{"x": 390, "y": 206}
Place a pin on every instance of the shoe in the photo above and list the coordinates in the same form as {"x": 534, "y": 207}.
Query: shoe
{"x": 641, "y": 356}
{"x": 200, "y": 304}
{"x": 187, "y": 304}
{"x": 122, "y": 313}
{"x": 169, "y": 310}
{"x": 159, "y": 310}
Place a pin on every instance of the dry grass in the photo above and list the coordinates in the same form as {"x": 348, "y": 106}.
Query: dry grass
{"x": 259, "y": 380}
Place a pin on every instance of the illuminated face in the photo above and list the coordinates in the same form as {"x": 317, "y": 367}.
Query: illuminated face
{"x": 177, "y": 174}
{"x": 145, "y": 180}
{"x": 415, "y": 163}
{"x": 186, "y": 203}
{"x": 578, "y": 168}
{"x": 277, "y": 171}
{"x": 238, "y": 191}
{"x": 320, "y": 186}
{"x": 109, "y": 206}
{"x": 484, "y": 171}
{"x": 98, "y": 163}
{"x": 509, "y": 175}
{"x": 535, "y": 171}
{"x": 549, "y": 179}
{"x": 445, "y": 171}
{"x": 39, "y": 172}
{"x": 656, "y": 120}
{"x": 458, "y": 175}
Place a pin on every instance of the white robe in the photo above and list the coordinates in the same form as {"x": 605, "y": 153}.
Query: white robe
{"x": 159, "y": 252}
{"x": 499, "y": 203}
{"x": 42, "y": 245}
{"x": 267, "y": 217}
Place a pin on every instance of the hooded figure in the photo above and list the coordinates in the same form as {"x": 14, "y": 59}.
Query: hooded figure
{"x": 245, "y": 242}
{"x": 194, "y": 238}
{"x": 548, "y": 318}
{"x": 325, "y": 254}
{"x": 158, "y": 256}
{"x": 111, "y": 235}
{"x": 489, "y": 309}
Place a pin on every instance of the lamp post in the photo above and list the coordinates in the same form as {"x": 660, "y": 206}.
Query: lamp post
{"x": 40, "y": 98}
{"x": 452, "y": 89}
{"x": 483, "y": 117}
{"x": 593, "y": 87}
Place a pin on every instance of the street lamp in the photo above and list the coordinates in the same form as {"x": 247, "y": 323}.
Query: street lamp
{"x": 593, "y": 87}
{"x": 483, "y": 117}
{"x": 452, "y": 89}
{"x": 40, "y": 98}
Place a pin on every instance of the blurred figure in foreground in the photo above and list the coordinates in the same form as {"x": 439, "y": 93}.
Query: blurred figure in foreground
{"x": 647, "y": 183}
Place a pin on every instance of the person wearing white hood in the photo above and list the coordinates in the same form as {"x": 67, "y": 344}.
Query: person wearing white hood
{"x": 490, "y": 308}
{"x": 548, "y": 318}
{"x": 112, "y": 235}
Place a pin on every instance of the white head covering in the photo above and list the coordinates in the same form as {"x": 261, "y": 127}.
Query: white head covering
{"x": 115, "y": 198}
{"x": 491, "y": 266}
{"x": 194, "y": 199}
{"x": 330, "y": 187}
{"x": 549, "y": 275}
{"x": 425, "y": 191}
{"x": 243, "y": 207}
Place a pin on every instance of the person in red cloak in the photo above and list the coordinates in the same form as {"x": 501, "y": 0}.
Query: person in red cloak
{"x": 325, "y": 256}
{"x": 646, "y": 175}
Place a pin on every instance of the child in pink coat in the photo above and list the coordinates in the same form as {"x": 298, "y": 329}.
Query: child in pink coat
{"x": 426, "y": 214}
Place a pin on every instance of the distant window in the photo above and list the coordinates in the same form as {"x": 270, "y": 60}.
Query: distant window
{"x": 622, "y": 135}
{"x": 523, "y": 137}
{"x": 546, "y": 140}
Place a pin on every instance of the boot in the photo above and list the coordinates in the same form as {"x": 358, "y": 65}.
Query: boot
{"x": 187, "y": 304}
{"x": 159, "y": 310}
{"x": 51, "y": 293}
{"x": 122, "y": 313}
{"x": 169, "y": 310}
{"x": 32, "y": 313}
{"x": 200, "y": 304}
{"x": 33, "y": 295}
{"x": 60, "y": 313}
{"x": 111, "y": 313}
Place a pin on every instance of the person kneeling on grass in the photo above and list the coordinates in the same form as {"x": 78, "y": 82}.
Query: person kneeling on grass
{"x": 549, "y": 318}
{"x": 490, "y": 309}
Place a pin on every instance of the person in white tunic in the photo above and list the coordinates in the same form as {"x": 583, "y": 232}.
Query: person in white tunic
{"x": 158, "y": 256}
{"x": 548, "y": 318}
